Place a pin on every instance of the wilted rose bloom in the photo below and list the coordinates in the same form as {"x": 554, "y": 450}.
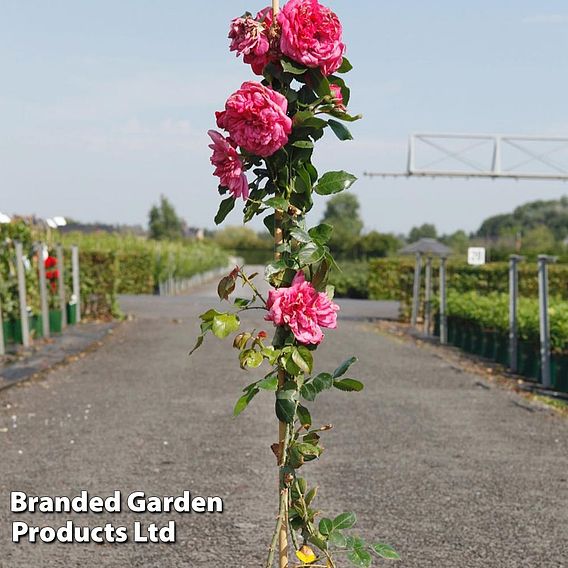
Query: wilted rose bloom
{"x": 255, "y": 117}
{"x": 311, "y": 35}
{"x": 303, "y": 309}
{"x": 249, "y": 38}
{"x": 337, "y": 97}
{"x": 228, "y": 165}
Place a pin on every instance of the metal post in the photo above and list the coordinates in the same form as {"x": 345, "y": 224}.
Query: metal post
{"x": 513, "y": 310}
{"x": 76, "y": 283}
{"x": 543, "y": 262}
{"x": 61, "y": 286}
{"x": 428, "y": 297}
{"x": 2, "y": 346}
{"x": 416, "y": 291}
{"x": 22, "y": 294}
{"x": 443, "y": 302}
{"x": 43, "y": 291}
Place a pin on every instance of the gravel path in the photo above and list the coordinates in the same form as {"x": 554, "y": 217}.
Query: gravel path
{"x": 452, "y": 474}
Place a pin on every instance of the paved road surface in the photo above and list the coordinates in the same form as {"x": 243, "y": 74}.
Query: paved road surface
{"x": 453, "y": 475}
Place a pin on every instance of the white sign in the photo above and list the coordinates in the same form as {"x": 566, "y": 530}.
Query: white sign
{"x": 476, "y": 256}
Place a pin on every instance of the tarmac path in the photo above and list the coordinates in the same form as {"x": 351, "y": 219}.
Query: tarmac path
{"x": 452, "y": 474}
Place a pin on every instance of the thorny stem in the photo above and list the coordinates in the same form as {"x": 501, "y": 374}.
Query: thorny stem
{"x": 310, "y": 527}
{"x": 253, "y": 287}
{"x": 283, "y": 509}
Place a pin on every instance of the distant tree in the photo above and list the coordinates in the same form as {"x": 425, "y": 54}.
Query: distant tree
{"x": 164, "y": 223}
{"x": 553, "y": 214}
{"x": 424, "y": 231}
{"x": 539, "y": 240}
{"x": 342, "y": 211}
{"x": 375, "y": 244}
{"x": 458, "y": 241}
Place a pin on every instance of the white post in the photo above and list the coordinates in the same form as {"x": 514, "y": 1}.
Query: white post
{"x": 2, "y": 346}
{"x": 543, "y": 261}
{"x": 61, "y": 286}
{"x": 43, "y": 291}
{"x": 416, "y": 291}
{"x": 76, "y": 283}
{"x": 513, "y": 310}
{"x": 443, "y": 302}
{"x": 22, "y": 294}
{"x": 428, "y": 297}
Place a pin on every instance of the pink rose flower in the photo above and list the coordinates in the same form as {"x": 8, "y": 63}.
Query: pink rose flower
{"x": 249, "y": 38}
{"x": 337, "y": 97}
{"x": 303, "y": 309}
{"x": 255, "y": 117}
{"x": 311, "y": 35}
{"x": 228, "y": 165}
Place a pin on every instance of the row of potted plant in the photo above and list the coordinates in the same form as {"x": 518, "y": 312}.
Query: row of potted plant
{"x": 479, "y": 324}
{"x": 13, "y": 327}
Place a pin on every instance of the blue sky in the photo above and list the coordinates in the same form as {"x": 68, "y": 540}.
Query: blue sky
{"x": 105, "y": 105}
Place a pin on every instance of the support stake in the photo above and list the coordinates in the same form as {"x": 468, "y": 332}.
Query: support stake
{"x": 428, "y": 297}
{"x": 2, "y": 345}
{"x": 61, "y": 286}
{"x": 283, "y": 532}
{"x": 22, "y": 294}
{"x": 443, "y": 302}
{"x": 513, "y": 310}
{"x": 543, "y": 262}
{"x": 416, "y": 291}
{"x": 43, "y": 291}
{"x": 76, "y": 282}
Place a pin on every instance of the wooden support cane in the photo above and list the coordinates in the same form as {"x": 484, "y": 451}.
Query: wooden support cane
{"x": 278, "y": 240}
{"x": 283, "y": 535}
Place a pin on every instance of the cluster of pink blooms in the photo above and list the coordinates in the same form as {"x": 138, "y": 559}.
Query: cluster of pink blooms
{"x": 310, "y": 34}
{"x": 255, "y": 116}
{"x": 303, "y": 309}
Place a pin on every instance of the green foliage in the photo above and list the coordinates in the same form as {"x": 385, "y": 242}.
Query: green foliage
{"x": 110, "y": 264}
{"x": 144, "y": 263}
{"x": 254, "y": 248}
{"x": 282, "y": 193}
{"x": 20, "y": 231}
{"x": 425, "y": 231}
{"x": 163, "y": 221}
{"x": 491, "y": 312}
{"x": 351, "y": 281}
{"x": 392, "y": 279}
{"x": 551, "y": 214}
{"x": 342, "y": 213}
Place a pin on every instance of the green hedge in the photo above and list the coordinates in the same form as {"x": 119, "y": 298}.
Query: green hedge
{"x": 115, "y": 264}
{"x": 491, "y": 312}
{"x": 9, "y": 233}
{"x": 351, "y": 280}
{"x": 393, "y": 279}
{"x": 110, "y": 264}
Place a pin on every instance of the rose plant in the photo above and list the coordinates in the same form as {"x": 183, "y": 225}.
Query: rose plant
{"x": 265, "y": 157}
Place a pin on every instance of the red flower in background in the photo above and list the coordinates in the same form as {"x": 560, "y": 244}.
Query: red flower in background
{"x": 50, "y": 262}
{"x": 52, "y": 275}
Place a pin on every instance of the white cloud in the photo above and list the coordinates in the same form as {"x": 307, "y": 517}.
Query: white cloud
{"x": 546, "y": 19}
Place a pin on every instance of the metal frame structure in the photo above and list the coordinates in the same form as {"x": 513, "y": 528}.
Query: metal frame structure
{"x": 495, "y": 168}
